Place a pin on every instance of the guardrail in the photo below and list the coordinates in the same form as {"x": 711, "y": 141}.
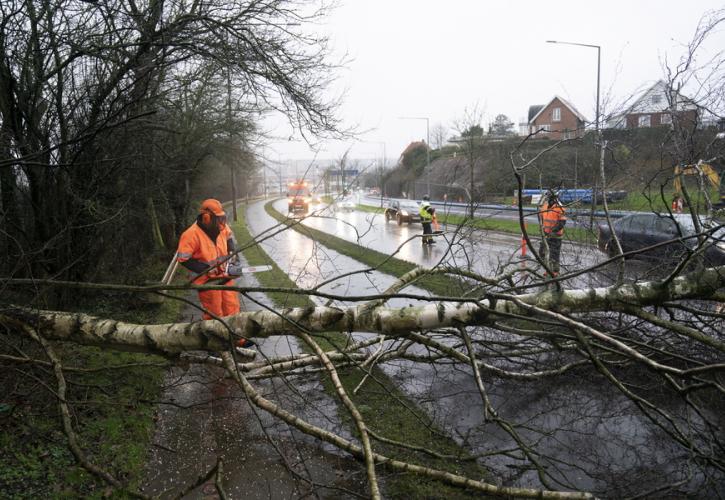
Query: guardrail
{"x": 465, "y": 207}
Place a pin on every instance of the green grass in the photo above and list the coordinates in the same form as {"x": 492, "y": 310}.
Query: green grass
{"x": 385, "y": 408}
{"x": 651, "y": 200}
{"x": 113, "y": 410}
{"x": 436, "y": 284}
{"x": 509, "y": 226}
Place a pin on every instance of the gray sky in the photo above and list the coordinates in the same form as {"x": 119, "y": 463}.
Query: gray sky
{"x": 434, "y": 59}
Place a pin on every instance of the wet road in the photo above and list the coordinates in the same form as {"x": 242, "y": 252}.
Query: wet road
{"x": 606, "y": 444}
{"x": 481, "y": 251}
{"x": 596, "y": 439}
{"x": 205, "y": 417}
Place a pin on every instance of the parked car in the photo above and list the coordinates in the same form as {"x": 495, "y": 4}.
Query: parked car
{"x": 638, "y": 231}
{"x": 346, "y": 205}
{"x": 402, "y": 211}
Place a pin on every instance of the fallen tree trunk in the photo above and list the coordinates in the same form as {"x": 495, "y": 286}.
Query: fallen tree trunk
{"x": 214, "y": 335}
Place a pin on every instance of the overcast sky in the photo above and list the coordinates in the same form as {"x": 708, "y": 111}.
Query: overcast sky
{"x": 435, "y": 59}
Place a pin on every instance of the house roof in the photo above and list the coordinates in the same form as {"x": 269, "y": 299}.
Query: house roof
{"x": 534, "y": 110}
{"x": 413, "y": 145}
{"x": 641, "y": 105}
{"x": 564, "y": 102}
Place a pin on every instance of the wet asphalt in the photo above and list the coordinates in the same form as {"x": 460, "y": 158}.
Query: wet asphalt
{"x": 204, "y": 417}
{"x": 207, "y": 418}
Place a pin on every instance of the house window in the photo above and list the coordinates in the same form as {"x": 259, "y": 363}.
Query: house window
{"x": 656, "y": 99}
{"x": 545, "y": 127}
{"x": 643, "y": 121}
{"x": 665, "y": 119}
{"x": 556, "y": 114}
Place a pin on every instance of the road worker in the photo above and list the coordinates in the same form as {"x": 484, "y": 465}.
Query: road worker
{"x": 552, "y": 217}
{"x": 204, "y": 249}
{"x": 677, "y": 204}
{"x": 426, "y": 218}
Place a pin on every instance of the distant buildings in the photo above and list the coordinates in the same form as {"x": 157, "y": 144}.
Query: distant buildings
{"x": 656, "y": 107}
{"x": 556, "y": 120}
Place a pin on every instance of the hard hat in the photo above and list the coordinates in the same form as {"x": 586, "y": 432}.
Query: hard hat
{"x": 213, "y": 206}
{"x": 426, "y": 197}
{"x": 552, "y": 195}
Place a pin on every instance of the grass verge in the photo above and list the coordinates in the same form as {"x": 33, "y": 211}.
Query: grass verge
{"x": 111, "y": 394}
{"x": 436, "y": 284}
{"x": 386, "y": 409}
{"x": 577, "y": 234}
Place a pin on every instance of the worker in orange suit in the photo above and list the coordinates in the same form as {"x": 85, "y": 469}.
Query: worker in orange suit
{"x": 202, "y": 247}
{"x": 553, "y": 219}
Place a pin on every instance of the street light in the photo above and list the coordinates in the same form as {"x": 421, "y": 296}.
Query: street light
{"x": 599, "y": 50}
{"x": 427, "y": 145}
{"x": 598, "y": 131}
{"x": 382, "y": 169}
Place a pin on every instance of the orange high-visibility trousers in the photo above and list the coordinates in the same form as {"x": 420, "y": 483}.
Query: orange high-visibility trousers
{"x": 219, "y": 302}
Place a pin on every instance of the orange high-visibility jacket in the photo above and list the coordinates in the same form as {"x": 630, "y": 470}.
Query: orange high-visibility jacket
{"x": 551, "y": 217}
{"x": 196, "y": 244}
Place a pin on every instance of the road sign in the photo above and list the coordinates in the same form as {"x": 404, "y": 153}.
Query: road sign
{"x": 347, "y": 173}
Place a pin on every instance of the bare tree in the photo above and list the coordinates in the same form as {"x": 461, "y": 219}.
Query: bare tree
{"x": 438, "y": 135}
{"x": 596, "y": 383}
{"x": 471, "y": 142}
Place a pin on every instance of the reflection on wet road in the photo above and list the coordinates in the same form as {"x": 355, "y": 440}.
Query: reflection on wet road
{"x": 591, "y": 448}
{"x": 605, "y": 440}
{"x": 481, "y": 251}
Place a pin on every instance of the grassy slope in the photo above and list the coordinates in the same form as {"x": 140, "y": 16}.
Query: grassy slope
{"x": 113, "y": 411}
{"x": 385, "y": 408}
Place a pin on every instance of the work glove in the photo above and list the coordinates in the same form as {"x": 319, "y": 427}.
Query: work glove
{"x": 234, "y": 270}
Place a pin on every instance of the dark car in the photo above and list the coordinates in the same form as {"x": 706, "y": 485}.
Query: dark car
{"x": 402, "y": 211}
{"x": 638, "y": 231}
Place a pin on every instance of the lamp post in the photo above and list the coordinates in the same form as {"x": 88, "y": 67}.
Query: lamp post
{"x": 598, "y": 130}
{"x": 599, "y": 53}
{"x": 427, "y": 145}
{"x": 381, "y": 170}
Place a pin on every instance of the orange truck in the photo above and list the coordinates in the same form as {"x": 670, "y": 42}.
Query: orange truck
{"x": 298, "y": 197}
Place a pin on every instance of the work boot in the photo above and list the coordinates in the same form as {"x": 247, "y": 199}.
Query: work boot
{"x": 245, "y": 343}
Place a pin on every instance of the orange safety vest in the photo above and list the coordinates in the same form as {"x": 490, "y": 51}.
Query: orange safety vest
{"x": 550, "y": 217}
{"x": 196, "y": 244}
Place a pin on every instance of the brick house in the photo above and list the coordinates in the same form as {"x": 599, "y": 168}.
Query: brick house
{"x": 656, "y": 107}
{"x": 557, "y": 120}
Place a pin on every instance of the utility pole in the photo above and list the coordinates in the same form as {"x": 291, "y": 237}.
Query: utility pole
{"x": 231, "y": 136}
{"x": 598, "y": 129}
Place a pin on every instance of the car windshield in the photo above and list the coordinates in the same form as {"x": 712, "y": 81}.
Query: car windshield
{"x": 407, "y": 205}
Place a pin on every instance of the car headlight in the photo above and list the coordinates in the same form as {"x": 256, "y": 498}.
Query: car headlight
{"x": 403, "y": 213}
{"x": 721, "y": 246}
